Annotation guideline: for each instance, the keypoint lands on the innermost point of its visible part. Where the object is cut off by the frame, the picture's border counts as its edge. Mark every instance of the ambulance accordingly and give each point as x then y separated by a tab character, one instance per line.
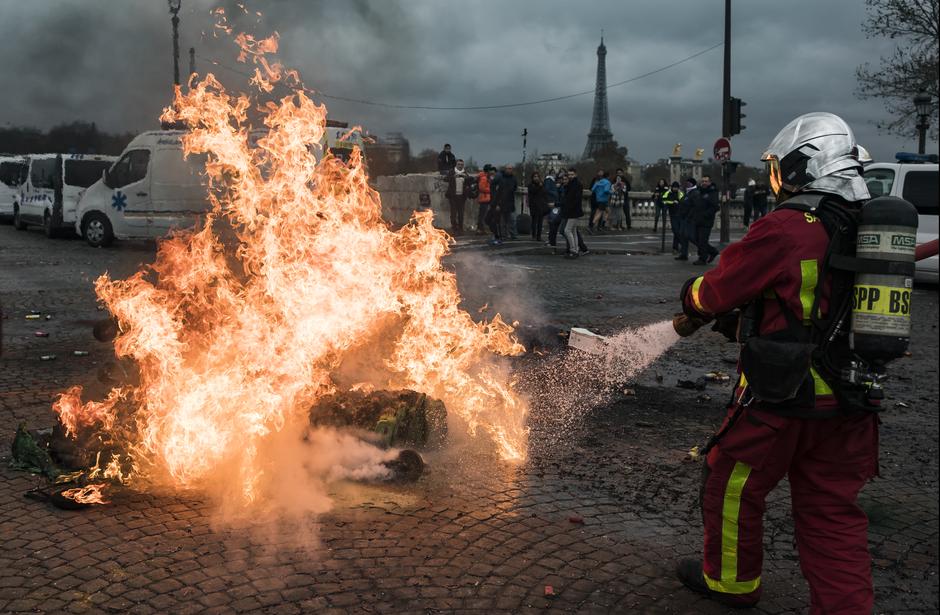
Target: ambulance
148	191
52	186
12	174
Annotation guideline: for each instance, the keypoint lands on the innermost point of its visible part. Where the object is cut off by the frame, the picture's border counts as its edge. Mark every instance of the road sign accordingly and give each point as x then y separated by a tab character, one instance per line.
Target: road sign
722	149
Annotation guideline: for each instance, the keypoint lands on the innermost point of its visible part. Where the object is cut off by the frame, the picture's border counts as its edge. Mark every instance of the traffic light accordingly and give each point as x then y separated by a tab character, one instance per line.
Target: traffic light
736	115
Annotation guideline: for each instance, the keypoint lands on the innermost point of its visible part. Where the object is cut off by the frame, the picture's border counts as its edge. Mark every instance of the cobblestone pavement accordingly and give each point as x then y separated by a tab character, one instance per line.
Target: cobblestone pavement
473	535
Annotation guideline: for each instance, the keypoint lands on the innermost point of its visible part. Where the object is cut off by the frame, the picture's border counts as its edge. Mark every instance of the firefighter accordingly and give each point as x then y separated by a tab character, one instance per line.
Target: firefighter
775	274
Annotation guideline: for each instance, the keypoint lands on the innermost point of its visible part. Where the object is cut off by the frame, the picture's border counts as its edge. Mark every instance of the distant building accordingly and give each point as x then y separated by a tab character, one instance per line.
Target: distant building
552	163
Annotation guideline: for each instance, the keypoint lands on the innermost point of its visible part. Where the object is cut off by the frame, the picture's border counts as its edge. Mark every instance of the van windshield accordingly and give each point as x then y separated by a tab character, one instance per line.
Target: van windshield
879	181
920	188
12	173
83	173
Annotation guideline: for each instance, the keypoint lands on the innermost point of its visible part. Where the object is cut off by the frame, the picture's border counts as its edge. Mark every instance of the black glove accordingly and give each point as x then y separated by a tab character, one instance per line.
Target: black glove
727	324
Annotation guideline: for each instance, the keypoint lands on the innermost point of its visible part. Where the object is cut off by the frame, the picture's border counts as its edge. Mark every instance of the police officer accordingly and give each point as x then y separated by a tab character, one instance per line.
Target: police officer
671	199
827	452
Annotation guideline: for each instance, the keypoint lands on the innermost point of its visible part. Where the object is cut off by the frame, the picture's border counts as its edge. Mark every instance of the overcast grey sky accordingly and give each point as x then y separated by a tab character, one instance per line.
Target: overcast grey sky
109	61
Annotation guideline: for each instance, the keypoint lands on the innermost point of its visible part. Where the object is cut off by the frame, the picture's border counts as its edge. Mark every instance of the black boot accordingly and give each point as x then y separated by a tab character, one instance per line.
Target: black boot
690	573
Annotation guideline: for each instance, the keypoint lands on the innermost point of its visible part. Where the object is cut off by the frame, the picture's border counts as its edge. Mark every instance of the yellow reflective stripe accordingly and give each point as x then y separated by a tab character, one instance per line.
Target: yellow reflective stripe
732	587
743	382
696	300
730	511
819	385
809	276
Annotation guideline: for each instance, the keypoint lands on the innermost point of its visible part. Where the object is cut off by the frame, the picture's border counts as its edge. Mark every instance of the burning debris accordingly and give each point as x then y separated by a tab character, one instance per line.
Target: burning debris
233	335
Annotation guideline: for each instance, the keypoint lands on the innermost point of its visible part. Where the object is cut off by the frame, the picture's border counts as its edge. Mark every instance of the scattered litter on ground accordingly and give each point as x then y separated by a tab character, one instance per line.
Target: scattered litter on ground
698	384
629	392
901	404
48	316
33	316
693	454
702	399
41	334
47	357
576	519
717	376
588	341
549	591
80	353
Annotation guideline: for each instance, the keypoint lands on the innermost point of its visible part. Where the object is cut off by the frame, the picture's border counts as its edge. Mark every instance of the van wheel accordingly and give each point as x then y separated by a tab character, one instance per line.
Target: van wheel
18	223
97	231
49	227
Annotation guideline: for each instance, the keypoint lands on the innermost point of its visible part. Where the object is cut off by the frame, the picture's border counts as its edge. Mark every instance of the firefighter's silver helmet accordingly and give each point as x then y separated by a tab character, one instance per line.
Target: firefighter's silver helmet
816	151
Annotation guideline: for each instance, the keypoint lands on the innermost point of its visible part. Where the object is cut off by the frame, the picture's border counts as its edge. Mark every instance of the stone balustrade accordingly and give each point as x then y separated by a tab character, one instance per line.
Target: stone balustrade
401	196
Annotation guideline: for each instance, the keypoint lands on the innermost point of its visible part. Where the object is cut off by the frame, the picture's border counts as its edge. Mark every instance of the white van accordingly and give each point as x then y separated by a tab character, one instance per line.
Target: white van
12	174
148	191
53	185
916	182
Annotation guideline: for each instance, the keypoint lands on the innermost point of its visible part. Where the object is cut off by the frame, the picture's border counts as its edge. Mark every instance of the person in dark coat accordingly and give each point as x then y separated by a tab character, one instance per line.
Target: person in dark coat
691	200
572	211
538	204
760	200
703	217
504	194
446	161
749	201
659	208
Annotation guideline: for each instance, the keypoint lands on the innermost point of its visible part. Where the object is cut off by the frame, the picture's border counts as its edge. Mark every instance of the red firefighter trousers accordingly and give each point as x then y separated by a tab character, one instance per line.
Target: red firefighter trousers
828	461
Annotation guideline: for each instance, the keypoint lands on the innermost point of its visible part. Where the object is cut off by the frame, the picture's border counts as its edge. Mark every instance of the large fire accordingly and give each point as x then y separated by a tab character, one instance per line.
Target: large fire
241	325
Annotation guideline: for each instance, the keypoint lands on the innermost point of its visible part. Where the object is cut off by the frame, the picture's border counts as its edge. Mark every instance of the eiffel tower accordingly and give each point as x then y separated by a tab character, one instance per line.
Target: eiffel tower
600	137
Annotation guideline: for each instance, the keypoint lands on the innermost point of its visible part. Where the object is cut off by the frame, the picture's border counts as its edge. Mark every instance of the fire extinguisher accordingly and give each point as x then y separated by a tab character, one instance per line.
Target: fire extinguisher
881	311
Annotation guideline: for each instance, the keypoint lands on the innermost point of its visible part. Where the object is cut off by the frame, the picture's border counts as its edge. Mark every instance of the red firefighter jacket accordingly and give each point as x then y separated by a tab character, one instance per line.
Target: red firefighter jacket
780	256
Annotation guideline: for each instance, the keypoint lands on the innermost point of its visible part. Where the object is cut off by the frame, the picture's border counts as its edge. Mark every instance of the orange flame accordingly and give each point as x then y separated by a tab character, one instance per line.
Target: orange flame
89	494
234	344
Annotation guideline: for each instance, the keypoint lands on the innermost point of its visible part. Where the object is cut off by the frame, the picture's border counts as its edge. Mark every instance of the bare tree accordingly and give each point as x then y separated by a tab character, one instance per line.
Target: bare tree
912	67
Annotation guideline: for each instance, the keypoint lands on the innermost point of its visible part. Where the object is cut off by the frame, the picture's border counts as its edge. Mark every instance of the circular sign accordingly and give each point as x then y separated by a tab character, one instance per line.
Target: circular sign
722	149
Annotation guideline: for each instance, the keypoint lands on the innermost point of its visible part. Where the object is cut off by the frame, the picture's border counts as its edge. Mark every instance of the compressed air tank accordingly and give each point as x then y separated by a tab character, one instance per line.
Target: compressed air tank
881	311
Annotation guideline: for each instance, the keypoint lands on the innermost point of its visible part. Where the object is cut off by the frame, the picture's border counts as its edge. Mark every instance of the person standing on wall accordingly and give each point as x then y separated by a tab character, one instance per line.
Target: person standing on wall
446	161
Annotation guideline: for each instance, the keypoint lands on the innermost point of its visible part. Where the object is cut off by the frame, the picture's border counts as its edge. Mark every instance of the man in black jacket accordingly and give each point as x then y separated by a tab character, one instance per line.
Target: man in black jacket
690	200
446	161
703	217
572	213
504	195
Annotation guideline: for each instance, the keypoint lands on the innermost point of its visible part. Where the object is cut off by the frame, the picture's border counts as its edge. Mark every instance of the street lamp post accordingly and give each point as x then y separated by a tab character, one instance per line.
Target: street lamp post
922	106
175	20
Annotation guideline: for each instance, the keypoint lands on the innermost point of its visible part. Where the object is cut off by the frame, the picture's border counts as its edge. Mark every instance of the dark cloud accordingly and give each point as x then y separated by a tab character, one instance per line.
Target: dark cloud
110	62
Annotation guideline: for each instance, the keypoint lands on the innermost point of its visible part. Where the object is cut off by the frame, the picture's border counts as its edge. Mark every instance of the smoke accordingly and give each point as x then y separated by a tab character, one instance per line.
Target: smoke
301	467
503	288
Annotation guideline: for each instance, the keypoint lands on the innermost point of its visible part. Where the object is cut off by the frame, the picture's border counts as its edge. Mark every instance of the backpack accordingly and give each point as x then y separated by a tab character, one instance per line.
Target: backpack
471	188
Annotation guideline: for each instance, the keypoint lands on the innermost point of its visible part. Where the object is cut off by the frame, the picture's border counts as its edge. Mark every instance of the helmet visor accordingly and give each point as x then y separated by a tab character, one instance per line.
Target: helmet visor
773	170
